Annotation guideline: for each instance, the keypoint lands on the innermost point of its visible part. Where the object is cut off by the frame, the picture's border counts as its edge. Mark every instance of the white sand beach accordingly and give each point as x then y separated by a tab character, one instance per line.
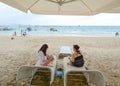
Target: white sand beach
100	53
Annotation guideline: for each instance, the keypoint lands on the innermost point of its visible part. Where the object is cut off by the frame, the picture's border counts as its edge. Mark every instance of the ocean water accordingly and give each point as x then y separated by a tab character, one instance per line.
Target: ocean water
84	31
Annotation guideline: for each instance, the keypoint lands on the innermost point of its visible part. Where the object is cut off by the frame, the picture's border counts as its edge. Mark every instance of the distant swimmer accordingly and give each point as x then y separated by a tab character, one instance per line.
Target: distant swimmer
116	34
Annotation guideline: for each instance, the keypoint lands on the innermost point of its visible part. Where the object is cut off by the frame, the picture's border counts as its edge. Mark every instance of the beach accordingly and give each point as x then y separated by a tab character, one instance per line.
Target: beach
100	53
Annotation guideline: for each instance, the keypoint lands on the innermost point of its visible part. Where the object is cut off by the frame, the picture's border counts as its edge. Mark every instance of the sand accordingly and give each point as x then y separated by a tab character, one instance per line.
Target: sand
100	53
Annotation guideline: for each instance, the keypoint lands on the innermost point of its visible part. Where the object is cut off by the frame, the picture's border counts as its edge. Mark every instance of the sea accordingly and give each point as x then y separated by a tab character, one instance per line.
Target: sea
82	31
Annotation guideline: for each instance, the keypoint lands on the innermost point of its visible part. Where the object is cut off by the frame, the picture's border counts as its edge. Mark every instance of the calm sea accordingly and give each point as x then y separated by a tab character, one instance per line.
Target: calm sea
85	31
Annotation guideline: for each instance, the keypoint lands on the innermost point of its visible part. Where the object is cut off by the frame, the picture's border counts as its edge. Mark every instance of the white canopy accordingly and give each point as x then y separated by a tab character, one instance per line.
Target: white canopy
114	10
65	7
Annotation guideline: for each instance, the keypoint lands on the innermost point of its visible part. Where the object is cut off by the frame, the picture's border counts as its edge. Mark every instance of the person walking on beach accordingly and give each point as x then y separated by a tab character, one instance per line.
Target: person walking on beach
76	59
15	34
116	34
21	33
43	58
24	33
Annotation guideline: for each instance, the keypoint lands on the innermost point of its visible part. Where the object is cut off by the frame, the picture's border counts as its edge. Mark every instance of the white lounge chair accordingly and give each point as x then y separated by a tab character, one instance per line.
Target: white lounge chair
64	51
29	71
93	76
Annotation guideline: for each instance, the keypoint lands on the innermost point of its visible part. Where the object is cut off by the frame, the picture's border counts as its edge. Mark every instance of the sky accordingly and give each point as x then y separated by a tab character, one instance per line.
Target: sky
12	16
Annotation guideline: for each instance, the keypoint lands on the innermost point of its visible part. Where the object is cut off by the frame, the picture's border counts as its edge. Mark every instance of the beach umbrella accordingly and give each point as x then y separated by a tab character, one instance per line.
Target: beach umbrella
114	10
64	7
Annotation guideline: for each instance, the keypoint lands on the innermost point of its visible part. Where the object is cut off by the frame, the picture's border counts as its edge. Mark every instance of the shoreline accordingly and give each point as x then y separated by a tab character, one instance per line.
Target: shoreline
61	36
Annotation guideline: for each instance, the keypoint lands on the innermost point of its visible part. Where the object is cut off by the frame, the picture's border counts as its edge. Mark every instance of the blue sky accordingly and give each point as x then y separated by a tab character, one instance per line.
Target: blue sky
11	16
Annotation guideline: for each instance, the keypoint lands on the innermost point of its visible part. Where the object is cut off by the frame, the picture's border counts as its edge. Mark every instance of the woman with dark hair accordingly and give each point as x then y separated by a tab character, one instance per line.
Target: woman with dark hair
44	59
77	57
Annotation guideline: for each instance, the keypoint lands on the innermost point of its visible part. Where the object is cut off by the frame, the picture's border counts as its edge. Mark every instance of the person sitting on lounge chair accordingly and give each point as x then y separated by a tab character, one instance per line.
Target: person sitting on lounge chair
44	59
76	58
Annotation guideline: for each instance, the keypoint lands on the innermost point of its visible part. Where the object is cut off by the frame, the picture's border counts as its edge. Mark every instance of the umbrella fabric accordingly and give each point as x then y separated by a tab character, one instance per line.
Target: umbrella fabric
114	10
64	7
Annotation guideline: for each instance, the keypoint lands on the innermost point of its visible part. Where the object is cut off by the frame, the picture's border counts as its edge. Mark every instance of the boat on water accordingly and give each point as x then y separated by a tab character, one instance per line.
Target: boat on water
52	29
29	29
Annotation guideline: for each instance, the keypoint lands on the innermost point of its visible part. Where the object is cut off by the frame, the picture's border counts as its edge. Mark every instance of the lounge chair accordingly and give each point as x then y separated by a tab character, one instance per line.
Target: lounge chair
92	76
64	51
26	72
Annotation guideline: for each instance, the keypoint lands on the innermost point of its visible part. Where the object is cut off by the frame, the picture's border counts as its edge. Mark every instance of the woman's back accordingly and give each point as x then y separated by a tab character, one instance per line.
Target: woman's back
78	61
41	58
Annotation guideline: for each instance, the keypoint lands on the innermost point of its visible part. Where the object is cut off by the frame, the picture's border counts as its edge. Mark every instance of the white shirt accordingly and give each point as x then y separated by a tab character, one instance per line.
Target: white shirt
41	59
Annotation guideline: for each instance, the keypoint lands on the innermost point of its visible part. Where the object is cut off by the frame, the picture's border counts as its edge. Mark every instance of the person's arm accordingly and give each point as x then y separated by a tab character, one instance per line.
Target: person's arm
49	60
73	57
49	56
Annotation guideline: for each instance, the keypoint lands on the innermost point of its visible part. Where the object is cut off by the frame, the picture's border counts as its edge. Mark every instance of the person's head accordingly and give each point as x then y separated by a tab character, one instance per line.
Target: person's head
76	48
44	48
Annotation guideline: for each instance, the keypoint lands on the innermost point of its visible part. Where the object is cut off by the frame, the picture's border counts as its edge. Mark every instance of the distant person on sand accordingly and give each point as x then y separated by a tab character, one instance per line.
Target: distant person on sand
76	59
14	34
24	33
21	33
116	34
43	58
